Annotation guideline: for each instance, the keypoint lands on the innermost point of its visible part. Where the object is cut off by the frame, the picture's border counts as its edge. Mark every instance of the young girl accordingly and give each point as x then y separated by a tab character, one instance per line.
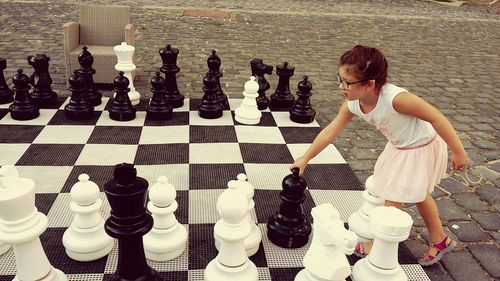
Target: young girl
415	157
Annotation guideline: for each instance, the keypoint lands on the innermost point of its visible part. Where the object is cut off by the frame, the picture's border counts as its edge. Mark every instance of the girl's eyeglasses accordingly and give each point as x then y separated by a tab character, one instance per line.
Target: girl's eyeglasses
347	85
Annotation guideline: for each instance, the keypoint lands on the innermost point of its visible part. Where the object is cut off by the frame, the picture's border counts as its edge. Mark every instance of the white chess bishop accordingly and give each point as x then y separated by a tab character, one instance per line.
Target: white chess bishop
232	262
248	113
167	239
390	226
326	260
124	55
85	239
21	225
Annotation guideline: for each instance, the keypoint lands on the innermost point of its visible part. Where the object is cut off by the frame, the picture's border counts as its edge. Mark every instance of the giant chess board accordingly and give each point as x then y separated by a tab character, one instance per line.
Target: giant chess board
199	156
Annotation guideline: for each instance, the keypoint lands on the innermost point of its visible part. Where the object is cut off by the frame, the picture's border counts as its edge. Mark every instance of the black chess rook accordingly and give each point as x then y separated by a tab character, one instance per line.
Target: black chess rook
42	94
158	108
282	99
78	108
259	68
170	69
214	63
6	94
86	60
121	109
302	111
22	108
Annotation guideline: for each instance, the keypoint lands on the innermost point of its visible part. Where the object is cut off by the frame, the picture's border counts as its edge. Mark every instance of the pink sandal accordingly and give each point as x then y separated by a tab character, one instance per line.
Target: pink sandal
359	250
444	246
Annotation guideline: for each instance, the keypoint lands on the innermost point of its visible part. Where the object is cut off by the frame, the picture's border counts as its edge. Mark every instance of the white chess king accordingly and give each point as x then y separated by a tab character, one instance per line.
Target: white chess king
248	113
124	55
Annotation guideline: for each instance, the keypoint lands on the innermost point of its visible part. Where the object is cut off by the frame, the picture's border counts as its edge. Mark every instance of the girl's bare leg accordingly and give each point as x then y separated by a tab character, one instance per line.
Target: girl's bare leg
430	214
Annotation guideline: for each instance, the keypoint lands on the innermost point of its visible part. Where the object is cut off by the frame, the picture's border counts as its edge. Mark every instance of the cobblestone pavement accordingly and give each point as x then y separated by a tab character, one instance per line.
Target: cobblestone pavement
448	55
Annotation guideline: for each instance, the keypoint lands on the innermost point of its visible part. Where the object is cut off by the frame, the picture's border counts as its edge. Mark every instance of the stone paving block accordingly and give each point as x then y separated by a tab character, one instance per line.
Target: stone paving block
463	267
436	272
448	210
452	185
469	232
488	221
488	256
489	193
470	201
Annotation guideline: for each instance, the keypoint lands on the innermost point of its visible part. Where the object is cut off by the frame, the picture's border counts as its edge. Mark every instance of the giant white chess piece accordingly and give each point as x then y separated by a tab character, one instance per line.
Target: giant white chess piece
167	239
359	221
21	225
248	113
390	226
85	239
325	259
232	262
124	54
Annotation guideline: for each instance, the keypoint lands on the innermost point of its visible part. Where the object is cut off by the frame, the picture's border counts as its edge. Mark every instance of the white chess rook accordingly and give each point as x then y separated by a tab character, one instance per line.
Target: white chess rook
21	225
125	54
359	221
390	226
248	113
232	262
325	259
85	239
167	239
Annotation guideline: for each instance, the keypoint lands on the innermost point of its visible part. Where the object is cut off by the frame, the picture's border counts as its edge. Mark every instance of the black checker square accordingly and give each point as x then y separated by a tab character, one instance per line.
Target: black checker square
115	135
157	154
213	176
143	103
19	133
299	134
3	112
182	212
265	153
59	102
212	134
259	258
97	174
331	177
201	245
193	104
266	120
44	201
178	119
268	202
169	275
7	277
51	155
284	274
60	118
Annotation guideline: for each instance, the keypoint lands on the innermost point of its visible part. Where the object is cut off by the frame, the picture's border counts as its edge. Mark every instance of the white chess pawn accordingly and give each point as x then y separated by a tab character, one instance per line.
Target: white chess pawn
21	225
248	113
390	226
167	239
326	260
85	239
359	221
125	54
231	263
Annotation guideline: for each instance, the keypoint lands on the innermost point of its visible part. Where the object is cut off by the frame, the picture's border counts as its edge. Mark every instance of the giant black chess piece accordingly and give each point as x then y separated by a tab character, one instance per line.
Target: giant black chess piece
6	95
214	63
302	111
282	99
290	228
42	94
22	108
79	107
259	68
210	108
158	108
169	68
128	223
121	109
86	60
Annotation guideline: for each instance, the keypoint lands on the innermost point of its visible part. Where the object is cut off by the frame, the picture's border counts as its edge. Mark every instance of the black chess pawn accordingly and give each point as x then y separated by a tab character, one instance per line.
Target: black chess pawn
22	108
121	109
282	99
210	108
290	228
42	94
169	68
79	107
158	107
129	222
259	68
302	111
86	60
214	63
6	95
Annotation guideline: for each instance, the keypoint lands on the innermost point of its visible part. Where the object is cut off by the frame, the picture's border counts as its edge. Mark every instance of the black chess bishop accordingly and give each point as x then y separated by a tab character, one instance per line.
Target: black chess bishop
170	69
6	94
86	60
214	63
302	111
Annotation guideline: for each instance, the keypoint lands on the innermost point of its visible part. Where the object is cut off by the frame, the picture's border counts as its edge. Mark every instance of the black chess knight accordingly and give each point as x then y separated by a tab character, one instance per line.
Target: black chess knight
210	108
42	94
169	68
79	107
214	63
22	108
259	69
6	95
282	99
158	108
121	109
302	111
86	60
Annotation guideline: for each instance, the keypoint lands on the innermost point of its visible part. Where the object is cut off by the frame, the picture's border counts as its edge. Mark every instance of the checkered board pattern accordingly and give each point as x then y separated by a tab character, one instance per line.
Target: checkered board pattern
199	156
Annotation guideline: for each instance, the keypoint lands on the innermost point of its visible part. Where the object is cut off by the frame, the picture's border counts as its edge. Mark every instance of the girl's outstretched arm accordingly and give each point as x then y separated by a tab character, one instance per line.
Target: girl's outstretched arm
410	104
325	137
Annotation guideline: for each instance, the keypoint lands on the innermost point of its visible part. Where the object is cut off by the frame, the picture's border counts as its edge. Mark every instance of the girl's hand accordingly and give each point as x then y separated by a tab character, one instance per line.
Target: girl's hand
300	163
458	161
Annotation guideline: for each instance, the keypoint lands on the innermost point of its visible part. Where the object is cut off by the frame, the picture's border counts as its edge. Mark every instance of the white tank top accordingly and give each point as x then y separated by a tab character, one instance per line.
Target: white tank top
403	131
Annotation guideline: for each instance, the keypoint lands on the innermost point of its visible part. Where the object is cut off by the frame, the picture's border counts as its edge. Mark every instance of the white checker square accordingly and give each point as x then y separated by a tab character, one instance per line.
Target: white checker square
64	134
48	179
202	205
212	153
44	118
164	134
8	263
104	120
225	120
198	274
266	176
184	107
415	272
279	257
282	119
258	134
63	105
60	214
329	155
86	277
346	202
5	105
107	154
235	103
177	174
12	152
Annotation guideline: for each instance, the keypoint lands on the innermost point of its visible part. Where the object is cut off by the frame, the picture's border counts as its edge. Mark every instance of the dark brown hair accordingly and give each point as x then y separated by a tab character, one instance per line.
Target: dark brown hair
368	63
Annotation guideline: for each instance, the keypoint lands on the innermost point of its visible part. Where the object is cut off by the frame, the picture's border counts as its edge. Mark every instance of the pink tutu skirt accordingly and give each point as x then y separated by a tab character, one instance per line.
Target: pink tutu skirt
408	175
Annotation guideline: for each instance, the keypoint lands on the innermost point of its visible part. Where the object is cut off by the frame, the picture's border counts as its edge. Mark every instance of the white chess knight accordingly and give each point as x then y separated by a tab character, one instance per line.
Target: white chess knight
253	240
248	113
390	226
326	260
124	54
21	225
232	262
359	221
85	239
167	239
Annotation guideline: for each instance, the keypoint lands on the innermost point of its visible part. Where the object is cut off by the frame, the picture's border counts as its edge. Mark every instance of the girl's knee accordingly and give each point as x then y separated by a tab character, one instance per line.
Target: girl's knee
389	203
